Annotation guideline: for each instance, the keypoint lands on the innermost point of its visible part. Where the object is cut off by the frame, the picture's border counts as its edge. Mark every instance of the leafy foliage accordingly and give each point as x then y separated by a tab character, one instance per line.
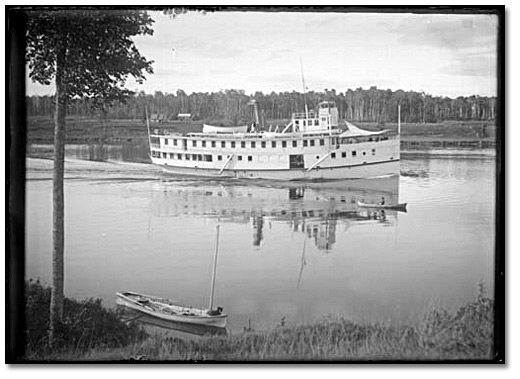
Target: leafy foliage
99	54
230	106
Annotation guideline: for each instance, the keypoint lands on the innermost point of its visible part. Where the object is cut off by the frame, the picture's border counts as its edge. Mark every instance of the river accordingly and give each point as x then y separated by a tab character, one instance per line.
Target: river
288	253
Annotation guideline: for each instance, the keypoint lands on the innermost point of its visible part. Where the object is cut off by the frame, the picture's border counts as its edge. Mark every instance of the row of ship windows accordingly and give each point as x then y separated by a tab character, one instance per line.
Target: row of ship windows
209	157
263	144
316	122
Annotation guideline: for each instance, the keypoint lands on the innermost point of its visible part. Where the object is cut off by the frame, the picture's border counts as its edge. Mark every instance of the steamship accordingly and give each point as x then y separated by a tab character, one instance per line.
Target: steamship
314	145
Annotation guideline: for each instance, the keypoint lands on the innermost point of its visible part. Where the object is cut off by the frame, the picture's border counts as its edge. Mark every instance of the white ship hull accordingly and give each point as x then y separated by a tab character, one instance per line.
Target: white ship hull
368	170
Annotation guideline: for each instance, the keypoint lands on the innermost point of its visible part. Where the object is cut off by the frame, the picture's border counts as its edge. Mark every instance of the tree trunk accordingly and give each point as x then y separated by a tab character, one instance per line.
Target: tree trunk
58	230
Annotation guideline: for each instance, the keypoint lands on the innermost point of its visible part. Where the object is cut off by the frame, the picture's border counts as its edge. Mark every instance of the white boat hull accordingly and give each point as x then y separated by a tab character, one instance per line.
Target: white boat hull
369	170
216	321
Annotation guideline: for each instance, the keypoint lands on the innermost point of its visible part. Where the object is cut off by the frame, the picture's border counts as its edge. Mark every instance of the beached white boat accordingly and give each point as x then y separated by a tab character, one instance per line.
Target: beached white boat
313	146
169	310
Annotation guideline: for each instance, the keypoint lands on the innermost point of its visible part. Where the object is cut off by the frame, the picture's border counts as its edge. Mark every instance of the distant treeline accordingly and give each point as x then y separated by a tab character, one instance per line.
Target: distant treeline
361	105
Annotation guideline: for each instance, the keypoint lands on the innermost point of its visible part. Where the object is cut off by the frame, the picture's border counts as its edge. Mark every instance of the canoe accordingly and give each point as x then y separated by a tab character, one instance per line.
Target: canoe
169	310
399	206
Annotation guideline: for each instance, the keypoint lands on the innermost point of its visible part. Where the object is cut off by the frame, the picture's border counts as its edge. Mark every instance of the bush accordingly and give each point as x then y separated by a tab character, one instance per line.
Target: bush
86	324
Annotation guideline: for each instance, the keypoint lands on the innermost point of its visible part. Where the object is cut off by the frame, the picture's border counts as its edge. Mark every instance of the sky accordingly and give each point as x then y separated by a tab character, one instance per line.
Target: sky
442	55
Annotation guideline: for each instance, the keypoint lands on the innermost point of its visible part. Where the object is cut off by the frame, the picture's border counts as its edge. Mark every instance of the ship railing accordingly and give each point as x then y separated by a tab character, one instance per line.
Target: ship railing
309	115
160	133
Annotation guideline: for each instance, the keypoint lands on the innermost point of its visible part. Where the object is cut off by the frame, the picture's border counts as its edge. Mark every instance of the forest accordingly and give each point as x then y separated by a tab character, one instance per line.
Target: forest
233	107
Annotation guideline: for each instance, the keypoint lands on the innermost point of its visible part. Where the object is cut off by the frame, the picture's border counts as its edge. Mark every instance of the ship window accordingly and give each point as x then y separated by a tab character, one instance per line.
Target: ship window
317	157
194	143
213	144
166	141
343	154
174	142
263	143
223	144
194	157
208	158
333	155
243	144
296	122
364	153
253	144
294	143
322	142
273	144
249	158
164	155
304	122
233	144
304	143
219	157
200	157
312	142
324	119
373	151
296	161
354	153
316	122
239	157
284	143
187	157
179	156
203	143
171	155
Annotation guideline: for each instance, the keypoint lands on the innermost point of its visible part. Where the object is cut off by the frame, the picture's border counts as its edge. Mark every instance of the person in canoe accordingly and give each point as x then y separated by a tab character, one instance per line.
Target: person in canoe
382	202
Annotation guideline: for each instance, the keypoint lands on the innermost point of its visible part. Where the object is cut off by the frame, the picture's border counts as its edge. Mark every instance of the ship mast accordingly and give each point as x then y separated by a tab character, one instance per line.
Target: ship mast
304	89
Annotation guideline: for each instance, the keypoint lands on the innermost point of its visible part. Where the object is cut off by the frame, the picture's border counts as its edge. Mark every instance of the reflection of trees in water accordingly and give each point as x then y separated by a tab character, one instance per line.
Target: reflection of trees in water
315	212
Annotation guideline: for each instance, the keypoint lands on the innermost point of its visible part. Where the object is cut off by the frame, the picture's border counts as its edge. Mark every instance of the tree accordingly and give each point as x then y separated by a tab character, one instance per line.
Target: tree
87	53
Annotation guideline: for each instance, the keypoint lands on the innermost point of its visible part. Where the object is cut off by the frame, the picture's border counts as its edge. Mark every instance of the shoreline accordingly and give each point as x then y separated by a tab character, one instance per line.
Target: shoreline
464	333
139	152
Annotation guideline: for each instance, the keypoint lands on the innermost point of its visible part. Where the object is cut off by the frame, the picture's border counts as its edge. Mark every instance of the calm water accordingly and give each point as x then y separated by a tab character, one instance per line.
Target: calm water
298	252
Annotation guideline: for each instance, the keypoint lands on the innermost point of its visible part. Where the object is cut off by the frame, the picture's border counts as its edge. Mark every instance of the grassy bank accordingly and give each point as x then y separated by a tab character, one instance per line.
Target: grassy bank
40	130
86	325
98	335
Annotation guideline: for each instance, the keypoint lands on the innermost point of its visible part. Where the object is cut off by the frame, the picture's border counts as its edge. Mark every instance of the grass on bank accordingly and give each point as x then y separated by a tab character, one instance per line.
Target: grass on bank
86	325
91	332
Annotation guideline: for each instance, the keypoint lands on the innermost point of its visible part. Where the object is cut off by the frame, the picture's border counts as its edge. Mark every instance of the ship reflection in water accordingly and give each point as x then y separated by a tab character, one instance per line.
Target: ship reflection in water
315	209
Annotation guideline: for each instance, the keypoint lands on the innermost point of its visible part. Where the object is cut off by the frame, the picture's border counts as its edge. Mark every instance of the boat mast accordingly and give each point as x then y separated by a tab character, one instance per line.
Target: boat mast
304	93
214	276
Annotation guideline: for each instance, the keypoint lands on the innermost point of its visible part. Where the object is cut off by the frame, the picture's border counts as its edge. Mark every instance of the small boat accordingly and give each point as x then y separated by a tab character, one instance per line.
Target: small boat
131	315
398	207
168	310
